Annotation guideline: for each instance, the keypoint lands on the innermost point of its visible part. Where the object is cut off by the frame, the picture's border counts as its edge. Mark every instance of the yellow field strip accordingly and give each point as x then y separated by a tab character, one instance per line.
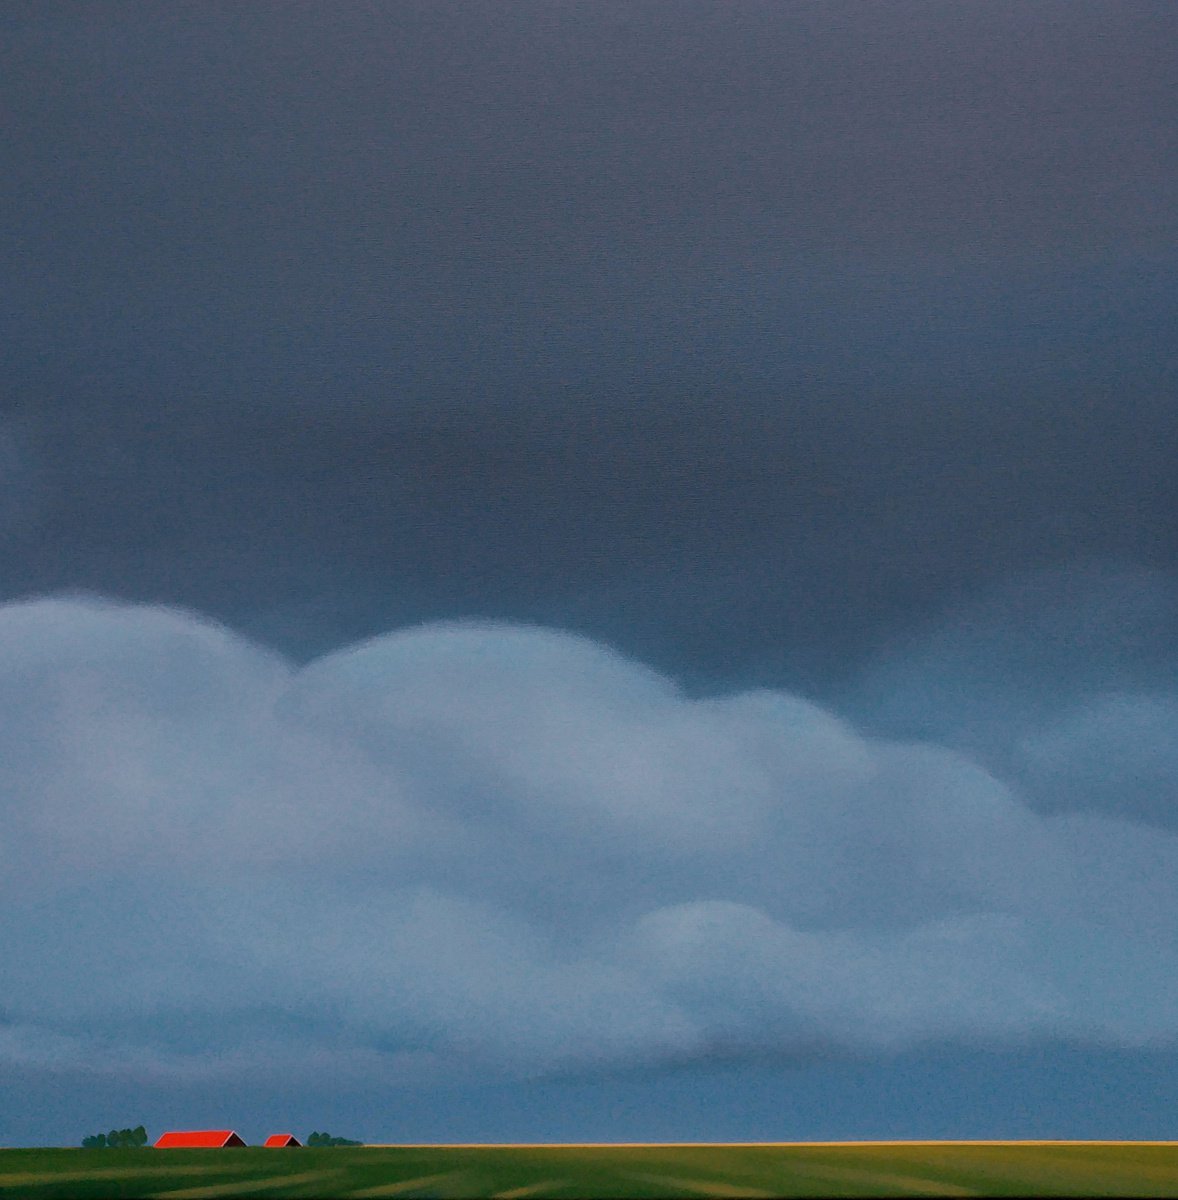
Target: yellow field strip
245	1186
14	1178
920	1185
742	1145
705	1187
530	1190
405	1185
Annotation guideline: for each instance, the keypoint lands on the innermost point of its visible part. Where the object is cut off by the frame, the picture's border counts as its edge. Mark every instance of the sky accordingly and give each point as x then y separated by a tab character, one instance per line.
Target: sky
589	571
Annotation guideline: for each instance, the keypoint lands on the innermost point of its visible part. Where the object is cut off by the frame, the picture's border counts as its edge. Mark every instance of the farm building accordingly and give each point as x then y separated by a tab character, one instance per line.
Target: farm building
282	1139
209	1139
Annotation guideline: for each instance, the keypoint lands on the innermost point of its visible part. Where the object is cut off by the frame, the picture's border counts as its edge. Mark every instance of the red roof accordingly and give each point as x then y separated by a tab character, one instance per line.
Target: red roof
206	1138
282	1139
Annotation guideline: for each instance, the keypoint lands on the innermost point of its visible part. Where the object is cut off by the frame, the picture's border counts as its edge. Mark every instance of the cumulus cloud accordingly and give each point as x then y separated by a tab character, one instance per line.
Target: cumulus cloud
1116	752
1061	680
486	846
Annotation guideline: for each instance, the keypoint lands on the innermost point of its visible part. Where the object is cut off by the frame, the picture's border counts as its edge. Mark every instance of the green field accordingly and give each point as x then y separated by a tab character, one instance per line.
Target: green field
812	1169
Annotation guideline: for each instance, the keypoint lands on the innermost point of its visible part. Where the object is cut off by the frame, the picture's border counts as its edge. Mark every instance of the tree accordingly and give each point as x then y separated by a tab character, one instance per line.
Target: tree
117	1138
325	1139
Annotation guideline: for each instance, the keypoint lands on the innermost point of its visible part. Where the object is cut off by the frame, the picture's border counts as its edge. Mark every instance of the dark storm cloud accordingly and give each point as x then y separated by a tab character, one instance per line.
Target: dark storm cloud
727	539
332	319
329	319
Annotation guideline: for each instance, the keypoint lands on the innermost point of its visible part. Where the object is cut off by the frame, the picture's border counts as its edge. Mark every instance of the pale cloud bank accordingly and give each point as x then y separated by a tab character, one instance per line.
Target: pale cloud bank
478	846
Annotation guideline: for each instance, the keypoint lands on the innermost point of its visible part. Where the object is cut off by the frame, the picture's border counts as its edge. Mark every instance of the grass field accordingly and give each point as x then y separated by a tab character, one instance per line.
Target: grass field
607	1171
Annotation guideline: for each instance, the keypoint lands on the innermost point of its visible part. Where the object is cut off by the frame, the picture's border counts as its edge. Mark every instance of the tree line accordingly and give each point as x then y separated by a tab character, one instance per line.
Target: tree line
117	1138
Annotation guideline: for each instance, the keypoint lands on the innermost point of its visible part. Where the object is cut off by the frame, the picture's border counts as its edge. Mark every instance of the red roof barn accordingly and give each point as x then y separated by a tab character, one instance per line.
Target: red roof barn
210	1139
282	1139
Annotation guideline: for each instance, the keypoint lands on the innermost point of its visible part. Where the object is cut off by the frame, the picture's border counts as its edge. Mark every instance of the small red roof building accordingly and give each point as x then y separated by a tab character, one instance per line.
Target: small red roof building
209	1139
282	1139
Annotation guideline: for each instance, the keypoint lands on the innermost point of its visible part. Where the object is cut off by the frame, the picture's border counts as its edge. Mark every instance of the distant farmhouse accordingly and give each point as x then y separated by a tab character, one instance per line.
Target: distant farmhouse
208	1139
282	1139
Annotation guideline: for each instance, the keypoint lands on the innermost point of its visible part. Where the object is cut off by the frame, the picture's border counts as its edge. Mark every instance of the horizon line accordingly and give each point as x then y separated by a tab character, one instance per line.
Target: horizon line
816	1145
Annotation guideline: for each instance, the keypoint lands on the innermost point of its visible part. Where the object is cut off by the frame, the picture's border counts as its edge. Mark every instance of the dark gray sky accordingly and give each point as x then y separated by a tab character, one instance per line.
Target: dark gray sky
819	348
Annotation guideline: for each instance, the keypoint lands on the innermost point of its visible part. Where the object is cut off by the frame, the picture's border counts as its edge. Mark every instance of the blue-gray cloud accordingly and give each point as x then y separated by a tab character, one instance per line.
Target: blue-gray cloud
482	846
1061	679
